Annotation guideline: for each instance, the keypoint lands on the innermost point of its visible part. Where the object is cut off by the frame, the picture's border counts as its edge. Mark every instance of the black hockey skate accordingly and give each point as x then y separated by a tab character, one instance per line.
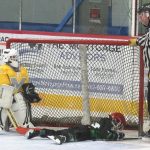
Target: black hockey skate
59	139
32	133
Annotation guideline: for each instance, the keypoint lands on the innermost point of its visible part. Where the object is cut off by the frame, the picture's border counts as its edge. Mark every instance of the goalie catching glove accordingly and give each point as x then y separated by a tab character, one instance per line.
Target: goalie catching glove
29	93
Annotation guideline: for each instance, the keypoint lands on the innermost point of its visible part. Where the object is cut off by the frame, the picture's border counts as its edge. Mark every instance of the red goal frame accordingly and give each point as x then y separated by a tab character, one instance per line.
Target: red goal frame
102	40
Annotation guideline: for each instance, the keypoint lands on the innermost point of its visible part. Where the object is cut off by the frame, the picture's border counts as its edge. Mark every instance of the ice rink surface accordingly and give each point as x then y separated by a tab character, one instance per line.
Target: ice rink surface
14	141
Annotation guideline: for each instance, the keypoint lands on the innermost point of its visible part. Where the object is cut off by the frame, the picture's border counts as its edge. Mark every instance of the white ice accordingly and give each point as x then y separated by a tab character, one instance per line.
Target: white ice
14	141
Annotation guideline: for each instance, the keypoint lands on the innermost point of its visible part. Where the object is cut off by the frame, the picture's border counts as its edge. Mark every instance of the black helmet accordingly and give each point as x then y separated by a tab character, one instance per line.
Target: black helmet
144	8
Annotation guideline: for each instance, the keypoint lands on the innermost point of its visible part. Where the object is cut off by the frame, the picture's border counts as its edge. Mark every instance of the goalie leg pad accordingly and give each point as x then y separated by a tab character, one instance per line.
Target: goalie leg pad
3	117
6	96
21	111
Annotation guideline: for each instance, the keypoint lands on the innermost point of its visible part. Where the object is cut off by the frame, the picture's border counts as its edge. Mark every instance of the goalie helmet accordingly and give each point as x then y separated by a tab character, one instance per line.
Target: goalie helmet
119	121
10	56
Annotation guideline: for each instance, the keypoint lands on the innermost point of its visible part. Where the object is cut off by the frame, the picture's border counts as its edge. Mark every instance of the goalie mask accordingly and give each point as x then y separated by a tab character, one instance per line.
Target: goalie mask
10	56
118	121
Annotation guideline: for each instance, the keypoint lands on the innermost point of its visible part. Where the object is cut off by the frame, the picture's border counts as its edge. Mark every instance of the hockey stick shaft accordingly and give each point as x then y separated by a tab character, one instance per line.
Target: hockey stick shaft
19	129
132	138
12	118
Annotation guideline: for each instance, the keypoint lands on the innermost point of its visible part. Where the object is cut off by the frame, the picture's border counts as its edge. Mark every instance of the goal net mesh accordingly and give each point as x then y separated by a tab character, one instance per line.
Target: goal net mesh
54	68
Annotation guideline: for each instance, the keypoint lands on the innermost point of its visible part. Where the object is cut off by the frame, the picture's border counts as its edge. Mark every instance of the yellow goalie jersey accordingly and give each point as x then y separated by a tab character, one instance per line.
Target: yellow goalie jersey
10	77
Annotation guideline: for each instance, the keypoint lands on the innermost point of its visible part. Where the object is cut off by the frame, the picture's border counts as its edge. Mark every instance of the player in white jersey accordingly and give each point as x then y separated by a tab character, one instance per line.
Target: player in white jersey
16	93
144	19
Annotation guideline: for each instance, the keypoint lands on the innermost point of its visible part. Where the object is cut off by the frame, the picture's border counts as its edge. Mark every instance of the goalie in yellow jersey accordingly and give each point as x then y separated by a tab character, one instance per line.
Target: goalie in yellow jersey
16	93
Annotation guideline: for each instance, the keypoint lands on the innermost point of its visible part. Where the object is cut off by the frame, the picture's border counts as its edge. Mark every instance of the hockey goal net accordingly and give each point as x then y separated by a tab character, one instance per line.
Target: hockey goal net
81	77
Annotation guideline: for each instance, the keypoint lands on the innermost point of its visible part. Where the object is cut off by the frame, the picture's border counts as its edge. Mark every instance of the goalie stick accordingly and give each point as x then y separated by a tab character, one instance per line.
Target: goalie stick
18	128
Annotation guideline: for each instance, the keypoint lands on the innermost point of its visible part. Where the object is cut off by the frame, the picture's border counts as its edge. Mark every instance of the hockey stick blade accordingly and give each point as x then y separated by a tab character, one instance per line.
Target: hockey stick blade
18	128
23	130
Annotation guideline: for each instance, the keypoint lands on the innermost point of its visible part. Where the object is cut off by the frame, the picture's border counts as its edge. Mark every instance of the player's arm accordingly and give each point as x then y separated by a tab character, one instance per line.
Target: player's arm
140	41
3	75
25	73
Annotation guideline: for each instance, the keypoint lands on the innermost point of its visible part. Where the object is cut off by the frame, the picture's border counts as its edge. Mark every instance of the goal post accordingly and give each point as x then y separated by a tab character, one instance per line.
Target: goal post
84	78
84	84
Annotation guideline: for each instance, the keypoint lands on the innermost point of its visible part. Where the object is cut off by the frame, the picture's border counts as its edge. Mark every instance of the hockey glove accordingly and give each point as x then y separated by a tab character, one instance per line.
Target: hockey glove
29	93
114	135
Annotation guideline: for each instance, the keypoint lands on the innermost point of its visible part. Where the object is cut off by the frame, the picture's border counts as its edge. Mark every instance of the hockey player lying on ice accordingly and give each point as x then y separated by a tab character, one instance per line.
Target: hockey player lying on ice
16	93
107	129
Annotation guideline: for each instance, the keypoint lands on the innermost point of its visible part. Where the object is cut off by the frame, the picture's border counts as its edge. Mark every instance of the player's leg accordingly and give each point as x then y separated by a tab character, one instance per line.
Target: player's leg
1	129
148	98
73	134
6	98
3	118
146	125
44	133
32	133
81	133
113	135
59	136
